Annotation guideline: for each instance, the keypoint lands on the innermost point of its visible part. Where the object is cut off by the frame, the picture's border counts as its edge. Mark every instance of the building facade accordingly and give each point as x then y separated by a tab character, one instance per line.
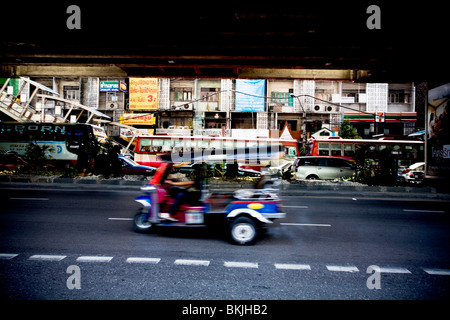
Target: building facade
241	107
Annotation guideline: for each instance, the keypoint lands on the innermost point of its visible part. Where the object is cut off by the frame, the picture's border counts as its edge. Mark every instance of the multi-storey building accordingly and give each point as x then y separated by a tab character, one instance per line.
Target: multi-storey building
214	106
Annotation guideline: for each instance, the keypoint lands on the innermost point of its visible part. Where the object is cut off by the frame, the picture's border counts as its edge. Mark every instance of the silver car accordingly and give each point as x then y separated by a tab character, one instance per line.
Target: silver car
324	168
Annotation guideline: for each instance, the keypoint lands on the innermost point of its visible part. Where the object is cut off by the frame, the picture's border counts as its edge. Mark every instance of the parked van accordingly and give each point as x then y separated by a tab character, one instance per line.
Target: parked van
323	168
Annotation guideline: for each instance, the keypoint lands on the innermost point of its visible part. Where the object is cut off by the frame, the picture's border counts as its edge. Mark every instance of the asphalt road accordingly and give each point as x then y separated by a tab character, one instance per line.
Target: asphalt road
79	244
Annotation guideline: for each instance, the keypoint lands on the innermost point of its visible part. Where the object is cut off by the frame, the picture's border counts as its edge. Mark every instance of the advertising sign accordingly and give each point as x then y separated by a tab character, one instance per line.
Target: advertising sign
133	119
144	94
109	86
123	86
438	135
250	95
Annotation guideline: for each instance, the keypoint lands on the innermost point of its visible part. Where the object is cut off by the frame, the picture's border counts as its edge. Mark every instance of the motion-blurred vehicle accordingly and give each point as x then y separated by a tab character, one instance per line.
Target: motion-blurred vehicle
285	171
189	169
131	167
243	212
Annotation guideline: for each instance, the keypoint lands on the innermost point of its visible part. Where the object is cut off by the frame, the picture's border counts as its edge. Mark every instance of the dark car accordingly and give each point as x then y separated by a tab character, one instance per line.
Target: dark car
11	161
131	167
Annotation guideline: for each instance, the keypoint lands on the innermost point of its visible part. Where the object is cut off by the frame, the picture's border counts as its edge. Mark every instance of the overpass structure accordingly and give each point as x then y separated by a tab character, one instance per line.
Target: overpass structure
400	42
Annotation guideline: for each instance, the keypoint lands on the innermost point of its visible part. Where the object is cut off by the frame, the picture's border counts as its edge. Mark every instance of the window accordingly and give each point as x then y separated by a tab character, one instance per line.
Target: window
399	96
324	149
348	150
71	92
323	162
209	94
336	149
291	151
308	162
283	97
243	120
182	94
340	163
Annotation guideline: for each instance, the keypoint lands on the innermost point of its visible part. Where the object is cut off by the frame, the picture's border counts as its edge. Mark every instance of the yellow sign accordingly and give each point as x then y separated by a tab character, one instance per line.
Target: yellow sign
255	205
143	94
133	118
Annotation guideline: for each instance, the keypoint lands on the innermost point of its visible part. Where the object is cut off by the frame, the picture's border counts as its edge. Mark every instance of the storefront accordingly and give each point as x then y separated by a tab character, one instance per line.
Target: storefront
388	123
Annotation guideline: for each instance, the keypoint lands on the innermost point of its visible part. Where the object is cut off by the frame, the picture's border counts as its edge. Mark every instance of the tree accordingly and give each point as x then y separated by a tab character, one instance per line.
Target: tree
346	131
36	156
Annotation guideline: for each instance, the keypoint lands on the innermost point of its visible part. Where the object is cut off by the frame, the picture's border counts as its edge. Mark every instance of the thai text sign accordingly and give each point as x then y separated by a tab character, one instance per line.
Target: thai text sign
250	95
109	86
132	119
143	93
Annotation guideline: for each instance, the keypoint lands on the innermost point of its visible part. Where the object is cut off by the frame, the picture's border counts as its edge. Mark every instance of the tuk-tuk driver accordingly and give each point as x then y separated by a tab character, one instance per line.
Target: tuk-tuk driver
190	191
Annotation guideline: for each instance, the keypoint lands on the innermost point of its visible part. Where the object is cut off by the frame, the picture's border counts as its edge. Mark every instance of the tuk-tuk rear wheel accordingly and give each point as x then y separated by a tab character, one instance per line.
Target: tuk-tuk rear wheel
243	230
140	222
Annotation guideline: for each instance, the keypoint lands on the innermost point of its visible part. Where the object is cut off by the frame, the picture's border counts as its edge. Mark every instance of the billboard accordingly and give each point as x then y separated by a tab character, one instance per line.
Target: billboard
438	135
250	95
144	93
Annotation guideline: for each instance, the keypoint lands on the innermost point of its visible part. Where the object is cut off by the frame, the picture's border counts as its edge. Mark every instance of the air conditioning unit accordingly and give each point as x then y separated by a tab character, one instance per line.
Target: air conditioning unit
112	106
324	108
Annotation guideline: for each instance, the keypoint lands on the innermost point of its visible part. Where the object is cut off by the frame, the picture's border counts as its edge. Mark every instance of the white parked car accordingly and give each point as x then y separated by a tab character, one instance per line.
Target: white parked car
324	168
414	173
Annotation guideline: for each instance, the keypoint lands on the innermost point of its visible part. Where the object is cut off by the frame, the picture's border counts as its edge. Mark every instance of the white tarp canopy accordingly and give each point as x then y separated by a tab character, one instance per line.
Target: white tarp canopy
40	86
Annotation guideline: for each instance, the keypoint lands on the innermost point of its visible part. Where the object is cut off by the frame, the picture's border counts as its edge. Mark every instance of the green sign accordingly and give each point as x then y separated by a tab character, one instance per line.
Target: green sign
109	86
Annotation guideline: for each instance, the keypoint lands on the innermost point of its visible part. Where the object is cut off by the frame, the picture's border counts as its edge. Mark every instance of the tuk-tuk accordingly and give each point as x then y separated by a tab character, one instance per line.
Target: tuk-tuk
243	211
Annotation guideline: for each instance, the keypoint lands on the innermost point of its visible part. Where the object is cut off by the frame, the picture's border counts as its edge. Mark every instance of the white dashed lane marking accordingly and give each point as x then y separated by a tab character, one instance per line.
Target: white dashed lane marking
143	260
186	262
343	268
234	264
94	259
229	264
44	257
290	266
394	270
7	256
437	272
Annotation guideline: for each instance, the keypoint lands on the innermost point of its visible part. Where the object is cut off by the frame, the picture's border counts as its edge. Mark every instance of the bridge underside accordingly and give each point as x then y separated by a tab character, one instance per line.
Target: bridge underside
314	41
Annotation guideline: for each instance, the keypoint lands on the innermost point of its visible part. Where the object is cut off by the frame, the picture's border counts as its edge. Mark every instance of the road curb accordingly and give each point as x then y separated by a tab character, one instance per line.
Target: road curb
321	188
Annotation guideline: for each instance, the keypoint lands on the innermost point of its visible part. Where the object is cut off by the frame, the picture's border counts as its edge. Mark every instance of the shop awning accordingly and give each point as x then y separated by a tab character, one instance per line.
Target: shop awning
388	116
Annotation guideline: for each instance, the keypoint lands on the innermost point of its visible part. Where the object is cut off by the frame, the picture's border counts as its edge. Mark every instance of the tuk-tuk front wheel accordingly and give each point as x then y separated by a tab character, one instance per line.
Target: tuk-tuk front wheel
243	230
140	222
